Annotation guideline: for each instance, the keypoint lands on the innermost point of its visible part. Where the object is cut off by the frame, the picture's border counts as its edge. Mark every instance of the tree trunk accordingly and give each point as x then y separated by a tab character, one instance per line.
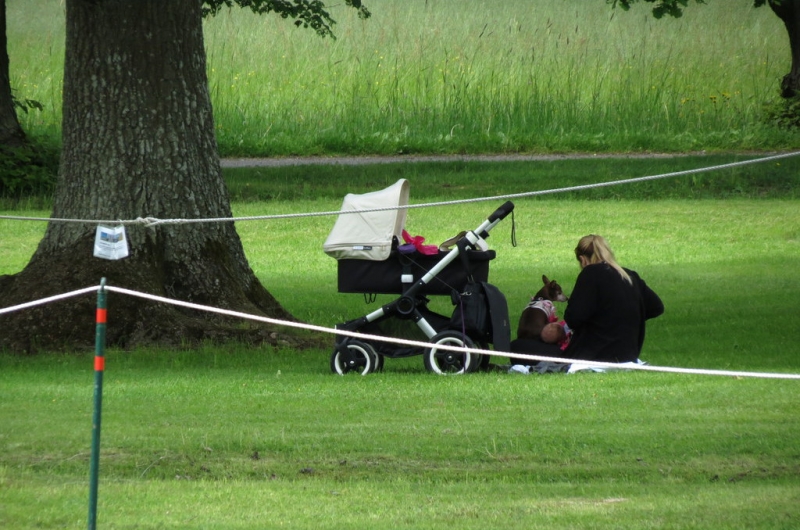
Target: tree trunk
789	12
138	141
11	134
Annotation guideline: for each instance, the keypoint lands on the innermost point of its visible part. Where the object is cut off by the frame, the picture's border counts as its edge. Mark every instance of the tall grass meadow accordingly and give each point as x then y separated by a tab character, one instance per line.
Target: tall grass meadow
436	76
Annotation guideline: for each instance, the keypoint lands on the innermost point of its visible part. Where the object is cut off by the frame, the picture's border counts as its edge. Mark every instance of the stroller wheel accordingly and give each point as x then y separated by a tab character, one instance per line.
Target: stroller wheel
377	363
353	356
485	360
442	362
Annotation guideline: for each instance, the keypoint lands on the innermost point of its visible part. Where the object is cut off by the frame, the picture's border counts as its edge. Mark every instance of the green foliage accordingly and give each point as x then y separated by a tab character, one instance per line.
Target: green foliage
306	13
26	104
27	171
672	8
784	113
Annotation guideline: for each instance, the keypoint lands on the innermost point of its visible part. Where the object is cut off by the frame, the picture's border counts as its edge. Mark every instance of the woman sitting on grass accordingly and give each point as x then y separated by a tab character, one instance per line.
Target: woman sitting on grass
608	307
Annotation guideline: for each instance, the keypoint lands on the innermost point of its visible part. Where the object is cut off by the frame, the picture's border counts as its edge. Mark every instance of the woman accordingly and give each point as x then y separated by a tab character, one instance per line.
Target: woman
608	307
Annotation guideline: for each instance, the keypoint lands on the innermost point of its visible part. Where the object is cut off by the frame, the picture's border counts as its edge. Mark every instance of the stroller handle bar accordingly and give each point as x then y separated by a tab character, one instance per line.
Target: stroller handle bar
470	241
502	212
498	215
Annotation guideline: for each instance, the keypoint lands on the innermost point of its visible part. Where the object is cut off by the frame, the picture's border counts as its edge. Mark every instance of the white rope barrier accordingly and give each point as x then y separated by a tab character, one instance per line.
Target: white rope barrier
146	221
404	342
153	221
48	300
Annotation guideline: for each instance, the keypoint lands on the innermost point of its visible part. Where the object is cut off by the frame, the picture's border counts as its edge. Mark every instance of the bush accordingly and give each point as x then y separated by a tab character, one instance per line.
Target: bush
27	170
784	113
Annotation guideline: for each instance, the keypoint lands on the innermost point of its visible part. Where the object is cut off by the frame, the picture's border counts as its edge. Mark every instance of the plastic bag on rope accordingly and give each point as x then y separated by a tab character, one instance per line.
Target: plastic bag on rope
110	242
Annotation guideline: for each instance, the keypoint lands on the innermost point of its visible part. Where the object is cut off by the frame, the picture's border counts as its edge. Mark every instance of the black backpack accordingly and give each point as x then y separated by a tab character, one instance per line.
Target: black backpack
481	313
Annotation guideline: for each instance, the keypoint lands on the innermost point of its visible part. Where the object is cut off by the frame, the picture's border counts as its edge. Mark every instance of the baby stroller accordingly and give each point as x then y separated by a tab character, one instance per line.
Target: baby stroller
372	261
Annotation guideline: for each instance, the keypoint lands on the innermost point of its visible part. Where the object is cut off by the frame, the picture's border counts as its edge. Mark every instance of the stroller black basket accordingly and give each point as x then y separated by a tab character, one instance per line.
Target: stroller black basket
386	277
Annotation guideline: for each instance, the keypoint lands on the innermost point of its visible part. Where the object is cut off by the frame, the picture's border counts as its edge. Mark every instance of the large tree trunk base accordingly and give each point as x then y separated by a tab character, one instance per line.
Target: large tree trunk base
138	139
790	86
69	324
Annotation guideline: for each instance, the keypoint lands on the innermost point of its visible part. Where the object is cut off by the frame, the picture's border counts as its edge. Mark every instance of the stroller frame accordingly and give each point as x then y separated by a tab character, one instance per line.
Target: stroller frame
352	355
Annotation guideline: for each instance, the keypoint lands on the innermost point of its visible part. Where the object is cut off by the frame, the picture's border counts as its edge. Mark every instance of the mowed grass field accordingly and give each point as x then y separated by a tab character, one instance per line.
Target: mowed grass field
241	437
231	436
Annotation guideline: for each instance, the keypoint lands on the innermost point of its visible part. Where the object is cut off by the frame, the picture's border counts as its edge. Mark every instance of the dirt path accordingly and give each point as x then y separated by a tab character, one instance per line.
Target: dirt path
365	160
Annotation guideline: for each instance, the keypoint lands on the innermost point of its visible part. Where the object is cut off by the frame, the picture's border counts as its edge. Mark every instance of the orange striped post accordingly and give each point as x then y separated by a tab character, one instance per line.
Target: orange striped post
99	367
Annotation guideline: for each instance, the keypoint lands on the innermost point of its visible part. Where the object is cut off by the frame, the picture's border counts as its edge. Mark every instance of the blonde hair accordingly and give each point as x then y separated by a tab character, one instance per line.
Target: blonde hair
595	249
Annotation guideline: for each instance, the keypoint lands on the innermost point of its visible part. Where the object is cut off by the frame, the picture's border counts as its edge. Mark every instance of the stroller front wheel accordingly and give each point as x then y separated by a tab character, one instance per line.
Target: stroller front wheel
441	361
353	356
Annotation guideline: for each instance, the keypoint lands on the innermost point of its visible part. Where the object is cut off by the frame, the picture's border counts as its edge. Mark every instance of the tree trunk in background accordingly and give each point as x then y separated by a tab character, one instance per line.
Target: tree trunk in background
138	141
789	12
11	134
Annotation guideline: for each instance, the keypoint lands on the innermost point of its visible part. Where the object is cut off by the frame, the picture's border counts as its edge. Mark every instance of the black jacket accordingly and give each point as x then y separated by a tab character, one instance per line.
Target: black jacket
607	315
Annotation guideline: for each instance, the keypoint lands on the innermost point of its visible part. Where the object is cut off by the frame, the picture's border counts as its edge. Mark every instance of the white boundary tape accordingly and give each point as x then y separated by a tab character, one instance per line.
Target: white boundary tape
405	342
49	299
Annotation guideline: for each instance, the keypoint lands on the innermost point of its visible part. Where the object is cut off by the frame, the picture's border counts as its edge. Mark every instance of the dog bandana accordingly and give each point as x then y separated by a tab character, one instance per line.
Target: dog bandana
546	306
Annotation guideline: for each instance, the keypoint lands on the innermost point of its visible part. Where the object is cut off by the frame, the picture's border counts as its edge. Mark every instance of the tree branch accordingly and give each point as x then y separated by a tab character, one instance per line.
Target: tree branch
306	13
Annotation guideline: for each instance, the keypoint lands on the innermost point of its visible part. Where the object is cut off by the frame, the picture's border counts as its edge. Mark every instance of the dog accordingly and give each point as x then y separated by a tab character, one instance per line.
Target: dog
540	311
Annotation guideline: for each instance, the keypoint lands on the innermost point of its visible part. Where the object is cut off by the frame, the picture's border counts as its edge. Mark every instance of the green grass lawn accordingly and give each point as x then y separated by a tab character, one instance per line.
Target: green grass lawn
235	437
240	439
231	436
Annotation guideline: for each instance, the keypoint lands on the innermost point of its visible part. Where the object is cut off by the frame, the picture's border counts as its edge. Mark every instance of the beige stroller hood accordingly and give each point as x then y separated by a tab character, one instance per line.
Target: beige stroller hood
369	235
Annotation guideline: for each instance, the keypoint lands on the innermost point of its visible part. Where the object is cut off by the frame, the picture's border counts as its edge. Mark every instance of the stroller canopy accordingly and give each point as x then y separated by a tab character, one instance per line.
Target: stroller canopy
369	235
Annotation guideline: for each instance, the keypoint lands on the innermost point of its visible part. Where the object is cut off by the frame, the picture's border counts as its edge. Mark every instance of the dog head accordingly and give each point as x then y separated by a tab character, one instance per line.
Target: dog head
551	291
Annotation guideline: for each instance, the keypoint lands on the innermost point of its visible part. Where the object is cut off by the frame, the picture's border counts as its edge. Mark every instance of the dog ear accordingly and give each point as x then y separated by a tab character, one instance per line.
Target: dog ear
545	280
